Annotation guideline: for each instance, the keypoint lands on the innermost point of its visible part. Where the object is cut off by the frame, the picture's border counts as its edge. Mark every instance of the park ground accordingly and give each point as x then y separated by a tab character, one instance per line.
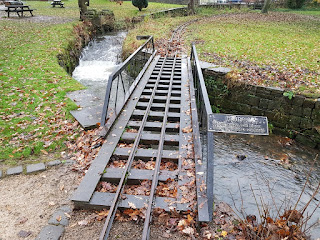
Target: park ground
278	49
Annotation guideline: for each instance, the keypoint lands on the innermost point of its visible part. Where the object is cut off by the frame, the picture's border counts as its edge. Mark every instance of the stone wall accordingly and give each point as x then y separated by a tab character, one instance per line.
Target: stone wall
297	118
182	2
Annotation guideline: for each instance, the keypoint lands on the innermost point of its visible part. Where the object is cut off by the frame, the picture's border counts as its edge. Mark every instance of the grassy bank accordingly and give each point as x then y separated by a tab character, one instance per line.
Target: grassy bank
33	107
276	49
123	11
282	46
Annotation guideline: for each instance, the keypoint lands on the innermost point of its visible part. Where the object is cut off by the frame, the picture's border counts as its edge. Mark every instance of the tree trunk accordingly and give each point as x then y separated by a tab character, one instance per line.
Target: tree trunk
83	7
266	6
191	7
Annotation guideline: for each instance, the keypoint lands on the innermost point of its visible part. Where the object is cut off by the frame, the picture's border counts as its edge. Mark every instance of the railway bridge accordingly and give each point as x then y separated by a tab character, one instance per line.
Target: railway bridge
157	151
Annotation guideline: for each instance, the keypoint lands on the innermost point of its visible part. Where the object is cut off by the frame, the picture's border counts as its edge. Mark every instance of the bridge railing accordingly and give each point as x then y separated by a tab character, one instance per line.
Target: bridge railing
124	79
206	144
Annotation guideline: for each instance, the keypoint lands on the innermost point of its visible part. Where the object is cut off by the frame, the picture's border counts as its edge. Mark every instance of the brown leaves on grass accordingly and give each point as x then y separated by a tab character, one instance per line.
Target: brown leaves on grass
85	148
251	73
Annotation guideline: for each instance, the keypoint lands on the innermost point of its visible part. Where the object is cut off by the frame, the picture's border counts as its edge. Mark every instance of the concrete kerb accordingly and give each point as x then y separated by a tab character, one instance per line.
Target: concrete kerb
32	168
56	224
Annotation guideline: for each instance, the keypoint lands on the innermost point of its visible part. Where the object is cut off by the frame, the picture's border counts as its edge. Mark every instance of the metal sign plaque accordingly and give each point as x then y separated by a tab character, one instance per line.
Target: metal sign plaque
243	124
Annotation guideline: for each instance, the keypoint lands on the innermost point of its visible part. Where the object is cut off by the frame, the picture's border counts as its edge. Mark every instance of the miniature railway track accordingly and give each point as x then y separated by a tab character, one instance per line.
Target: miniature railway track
155	128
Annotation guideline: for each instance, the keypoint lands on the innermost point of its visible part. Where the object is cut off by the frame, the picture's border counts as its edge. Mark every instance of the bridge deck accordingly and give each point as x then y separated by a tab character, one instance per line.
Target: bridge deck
164	76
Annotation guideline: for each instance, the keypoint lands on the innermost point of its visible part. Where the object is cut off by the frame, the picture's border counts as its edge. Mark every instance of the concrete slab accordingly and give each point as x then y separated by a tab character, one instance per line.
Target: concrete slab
59	218
207	65
50	232
53	163
33	168
88	117
15	170
85	98
90	108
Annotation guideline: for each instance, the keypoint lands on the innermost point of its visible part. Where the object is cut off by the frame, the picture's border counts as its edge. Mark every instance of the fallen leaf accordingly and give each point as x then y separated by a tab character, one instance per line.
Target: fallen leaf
188	230
224	233
83	222
58	218
132	205
44	152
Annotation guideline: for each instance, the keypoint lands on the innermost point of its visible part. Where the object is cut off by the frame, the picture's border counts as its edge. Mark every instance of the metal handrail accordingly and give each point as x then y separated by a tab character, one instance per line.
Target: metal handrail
124	80
204	110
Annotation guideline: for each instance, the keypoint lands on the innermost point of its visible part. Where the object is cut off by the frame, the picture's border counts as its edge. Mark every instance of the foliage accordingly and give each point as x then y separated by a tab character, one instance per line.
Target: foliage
140	4
289	94
270	127
295	4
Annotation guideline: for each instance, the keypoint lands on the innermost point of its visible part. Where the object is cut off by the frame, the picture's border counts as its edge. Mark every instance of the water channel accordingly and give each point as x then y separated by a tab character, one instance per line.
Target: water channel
98	60
271	167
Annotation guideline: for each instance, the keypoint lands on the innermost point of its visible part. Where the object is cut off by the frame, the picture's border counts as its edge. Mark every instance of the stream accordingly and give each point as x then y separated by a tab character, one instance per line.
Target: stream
98	60
274	168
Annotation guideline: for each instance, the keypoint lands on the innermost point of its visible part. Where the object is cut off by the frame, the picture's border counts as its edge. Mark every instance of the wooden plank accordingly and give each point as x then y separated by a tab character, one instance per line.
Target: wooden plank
172	126
158	105
152	137
114	174
185	144
161	99
156	114
202	200
101	199
146	153
175	82
160	92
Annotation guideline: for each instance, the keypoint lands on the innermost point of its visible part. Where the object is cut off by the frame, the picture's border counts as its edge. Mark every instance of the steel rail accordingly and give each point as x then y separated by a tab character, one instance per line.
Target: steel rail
146	227
203	113
113	208
118	71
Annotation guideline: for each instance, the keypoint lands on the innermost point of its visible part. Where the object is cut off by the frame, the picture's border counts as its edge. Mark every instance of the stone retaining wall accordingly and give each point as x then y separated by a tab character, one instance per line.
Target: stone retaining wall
182	2
297	118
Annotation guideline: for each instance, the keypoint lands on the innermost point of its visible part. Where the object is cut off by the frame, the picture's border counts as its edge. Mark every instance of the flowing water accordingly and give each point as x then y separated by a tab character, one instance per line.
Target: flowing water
273	168
98	60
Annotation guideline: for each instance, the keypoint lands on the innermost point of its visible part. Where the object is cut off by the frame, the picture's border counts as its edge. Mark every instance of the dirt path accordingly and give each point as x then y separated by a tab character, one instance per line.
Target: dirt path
28	201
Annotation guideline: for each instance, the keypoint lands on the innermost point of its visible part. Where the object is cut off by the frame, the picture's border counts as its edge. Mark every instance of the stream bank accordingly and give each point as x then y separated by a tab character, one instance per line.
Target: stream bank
294	116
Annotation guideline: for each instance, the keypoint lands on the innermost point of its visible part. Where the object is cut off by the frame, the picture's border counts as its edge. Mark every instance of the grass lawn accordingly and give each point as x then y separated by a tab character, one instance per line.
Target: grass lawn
125	10
284	46
311	11
34	111
287	43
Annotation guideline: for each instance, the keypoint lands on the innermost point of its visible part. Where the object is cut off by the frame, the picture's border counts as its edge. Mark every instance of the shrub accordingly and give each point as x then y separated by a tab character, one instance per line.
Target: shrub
140	4
295	3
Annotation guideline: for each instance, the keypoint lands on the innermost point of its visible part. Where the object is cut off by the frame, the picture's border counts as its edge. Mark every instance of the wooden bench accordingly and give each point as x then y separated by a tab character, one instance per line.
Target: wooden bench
19	9
57	2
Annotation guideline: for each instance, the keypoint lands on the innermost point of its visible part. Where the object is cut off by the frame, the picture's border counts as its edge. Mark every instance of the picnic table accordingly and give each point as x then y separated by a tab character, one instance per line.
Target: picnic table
17	7
57	2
